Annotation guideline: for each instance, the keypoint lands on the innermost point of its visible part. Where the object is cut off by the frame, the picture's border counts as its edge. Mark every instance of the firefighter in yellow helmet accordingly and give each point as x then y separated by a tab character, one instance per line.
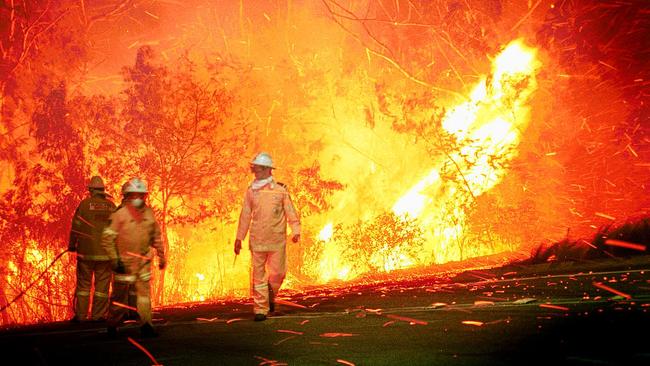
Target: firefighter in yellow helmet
266	210
128	240
88	223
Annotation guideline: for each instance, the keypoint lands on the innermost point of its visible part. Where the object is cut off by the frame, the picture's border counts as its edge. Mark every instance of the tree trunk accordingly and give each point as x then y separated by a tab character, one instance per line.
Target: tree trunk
3	302
160	287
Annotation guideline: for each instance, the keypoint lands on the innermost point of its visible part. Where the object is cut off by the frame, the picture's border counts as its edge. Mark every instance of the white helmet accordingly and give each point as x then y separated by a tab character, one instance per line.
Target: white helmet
263	159
135	185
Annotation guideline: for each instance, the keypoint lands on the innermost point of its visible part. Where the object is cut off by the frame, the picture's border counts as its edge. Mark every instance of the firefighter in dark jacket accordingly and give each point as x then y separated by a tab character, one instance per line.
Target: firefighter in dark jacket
88	223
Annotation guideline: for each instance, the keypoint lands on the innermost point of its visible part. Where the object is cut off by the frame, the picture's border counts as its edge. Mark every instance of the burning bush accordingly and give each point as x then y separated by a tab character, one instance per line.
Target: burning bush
381	244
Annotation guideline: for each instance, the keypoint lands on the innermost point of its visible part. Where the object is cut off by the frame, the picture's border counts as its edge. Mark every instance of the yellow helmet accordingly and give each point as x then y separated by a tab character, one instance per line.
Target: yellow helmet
96	182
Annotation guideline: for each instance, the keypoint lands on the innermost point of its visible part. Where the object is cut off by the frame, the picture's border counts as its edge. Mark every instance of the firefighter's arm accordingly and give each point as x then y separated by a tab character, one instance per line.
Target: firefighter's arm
108	238
292	217
157	243
245	216
244	220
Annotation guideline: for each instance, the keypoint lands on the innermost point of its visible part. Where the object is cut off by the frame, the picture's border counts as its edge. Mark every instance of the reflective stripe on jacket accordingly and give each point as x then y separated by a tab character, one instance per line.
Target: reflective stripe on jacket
266	212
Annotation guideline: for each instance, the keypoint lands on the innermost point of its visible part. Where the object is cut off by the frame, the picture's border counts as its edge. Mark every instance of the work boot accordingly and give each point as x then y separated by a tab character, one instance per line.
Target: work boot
147	331
271	299
111	332
260	317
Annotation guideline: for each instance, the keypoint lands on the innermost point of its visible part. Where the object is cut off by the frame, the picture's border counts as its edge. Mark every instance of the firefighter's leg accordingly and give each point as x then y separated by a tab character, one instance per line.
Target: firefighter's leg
102	283
277	269
260	287
143	291
119	298
133	302
82	293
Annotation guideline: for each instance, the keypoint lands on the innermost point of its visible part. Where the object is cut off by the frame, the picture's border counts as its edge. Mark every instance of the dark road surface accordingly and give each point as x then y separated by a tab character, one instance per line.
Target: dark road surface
596	318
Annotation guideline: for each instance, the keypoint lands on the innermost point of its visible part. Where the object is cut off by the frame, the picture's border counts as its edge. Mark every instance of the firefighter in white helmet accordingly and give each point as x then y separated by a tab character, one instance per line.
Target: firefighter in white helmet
133	297
88	223
128	240
266	210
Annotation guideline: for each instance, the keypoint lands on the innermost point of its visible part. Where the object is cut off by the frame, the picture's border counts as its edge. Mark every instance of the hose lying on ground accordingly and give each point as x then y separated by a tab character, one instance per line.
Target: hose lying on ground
33	282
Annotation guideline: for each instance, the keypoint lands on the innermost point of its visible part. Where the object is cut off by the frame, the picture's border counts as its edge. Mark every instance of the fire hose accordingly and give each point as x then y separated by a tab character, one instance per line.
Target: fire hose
40	276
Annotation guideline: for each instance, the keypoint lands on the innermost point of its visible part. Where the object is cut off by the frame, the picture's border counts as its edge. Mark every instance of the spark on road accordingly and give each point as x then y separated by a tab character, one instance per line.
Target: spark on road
612	290
407	319
551	306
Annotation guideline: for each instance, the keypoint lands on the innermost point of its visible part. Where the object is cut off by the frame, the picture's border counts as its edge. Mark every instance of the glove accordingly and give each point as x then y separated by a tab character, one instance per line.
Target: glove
162	263
72	246
118	267
295	238
237	246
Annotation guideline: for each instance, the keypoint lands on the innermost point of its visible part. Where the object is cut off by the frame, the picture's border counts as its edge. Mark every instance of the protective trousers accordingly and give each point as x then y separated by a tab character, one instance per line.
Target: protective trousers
123	284
86	270
269	269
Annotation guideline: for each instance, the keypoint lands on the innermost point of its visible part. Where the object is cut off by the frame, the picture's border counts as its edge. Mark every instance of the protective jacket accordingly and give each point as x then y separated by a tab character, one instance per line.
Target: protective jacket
129	238
131	234
88	223
266	212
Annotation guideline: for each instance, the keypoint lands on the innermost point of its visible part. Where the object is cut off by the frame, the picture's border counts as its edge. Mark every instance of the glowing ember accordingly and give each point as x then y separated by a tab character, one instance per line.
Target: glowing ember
624	244
612	290
209	320
473	322
289	303
230	321
289	331
407	319
124	306
551	306
344	362
335	335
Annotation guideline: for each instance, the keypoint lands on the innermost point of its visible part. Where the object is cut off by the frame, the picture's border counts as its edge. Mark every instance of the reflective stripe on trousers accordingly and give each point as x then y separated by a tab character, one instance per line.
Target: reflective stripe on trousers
125	278
100	271
124	284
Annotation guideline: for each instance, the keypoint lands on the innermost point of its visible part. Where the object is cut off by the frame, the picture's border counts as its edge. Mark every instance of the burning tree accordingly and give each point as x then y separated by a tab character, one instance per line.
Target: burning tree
38	207
174	132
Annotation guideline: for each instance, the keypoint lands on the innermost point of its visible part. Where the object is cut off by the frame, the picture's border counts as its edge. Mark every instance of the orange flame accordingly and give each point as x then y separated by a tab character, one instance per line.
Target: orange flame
486	126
